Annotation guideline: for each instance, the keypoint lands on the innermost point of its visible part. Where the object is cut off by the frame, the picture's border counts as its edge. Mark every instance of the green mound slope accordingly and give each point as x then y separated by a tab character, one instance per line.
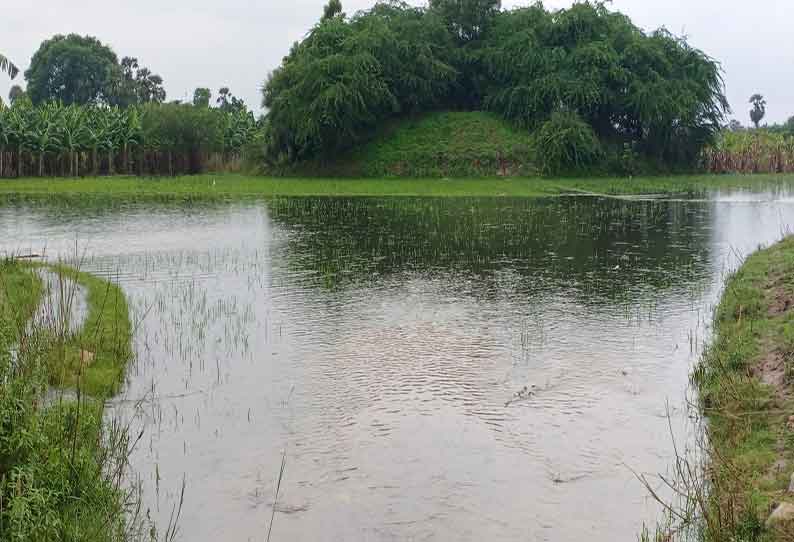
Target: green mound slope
441	144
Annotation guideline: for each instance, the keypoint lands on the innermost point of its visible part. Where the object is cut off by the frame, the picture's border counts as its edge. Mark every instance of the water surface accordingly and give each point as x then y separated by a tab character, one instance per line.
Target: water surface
431	369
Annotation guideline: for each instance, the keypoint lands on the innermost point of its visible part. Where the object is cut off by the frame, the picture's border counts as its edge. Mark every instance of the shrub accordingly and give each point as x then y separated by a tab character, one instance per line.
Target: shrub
566	143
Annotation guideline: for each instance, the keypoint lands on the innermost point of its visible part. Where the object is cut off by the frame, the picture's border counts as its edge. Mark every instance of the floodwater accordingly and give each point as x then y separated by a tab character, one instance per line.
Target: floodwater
426	369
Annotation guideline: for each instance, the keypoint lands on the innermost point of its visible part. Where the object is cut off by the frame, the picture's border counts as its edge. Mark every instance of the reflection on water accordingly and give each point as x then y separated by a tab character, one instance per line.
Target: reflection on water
450	369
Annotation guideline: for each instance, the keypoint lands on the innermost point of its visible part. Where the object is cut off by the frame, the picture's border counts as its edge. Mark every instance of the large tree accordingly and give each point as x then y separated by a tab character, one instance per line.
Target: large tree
587	67
8	67
72	69
350	74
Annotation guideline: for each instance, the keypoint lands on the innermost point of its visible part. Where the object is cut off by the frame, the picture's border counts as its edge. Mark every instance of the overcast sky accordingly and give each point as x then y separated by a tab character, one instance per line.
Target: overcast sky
235	43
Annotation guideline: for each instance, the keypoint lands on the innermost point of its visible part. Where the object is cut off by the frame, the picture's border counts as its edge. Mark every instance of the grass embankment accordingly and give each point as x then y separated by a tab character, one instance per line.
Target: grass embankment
59	467
439	144
232	185
746	383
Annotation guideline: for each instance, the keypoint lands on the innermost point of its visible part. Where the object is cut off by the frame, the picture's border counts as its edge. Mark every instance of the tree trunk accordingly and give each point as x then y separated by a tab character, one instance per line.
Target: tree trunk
110	162
19	161
41	164
94	161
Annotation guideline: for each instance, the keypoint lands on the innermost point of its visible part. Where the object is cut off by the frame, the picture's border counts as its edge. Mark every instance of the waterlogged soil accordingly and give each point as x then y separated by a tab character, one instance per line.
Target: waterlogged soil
426	369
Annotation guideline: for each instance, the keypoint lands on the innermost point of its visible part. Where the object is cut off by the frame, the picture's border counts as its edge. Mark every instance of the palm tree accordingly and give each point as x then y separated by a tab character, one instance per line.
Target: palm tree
8	67
759	109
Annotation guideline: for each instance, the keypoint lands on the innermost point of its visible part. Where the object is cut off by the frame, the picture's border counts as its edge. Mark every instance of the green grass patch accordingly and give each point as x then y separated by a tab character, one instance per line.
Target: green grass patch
57	457
747	404
232	185
105	337
438	144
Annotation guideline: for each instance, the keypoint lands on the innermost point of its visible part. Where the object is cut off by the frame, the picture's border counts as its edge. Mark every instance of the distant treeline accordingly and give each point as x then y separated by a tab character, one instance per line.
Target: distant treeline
585	81
150	139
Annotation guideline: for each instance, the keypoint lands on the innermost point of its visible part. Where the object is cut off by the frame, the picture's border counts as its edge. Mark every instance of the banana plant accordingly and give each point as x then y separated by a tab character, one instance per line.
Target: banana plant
157	138
18	122
4	137
128	133
43	137
73	135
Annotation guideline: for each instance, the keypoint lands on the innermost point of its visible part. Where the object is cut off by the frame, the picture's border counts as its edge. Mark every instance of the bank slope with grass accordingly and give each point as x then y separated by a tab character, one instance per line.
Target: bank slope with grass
746	384
60	465
439	144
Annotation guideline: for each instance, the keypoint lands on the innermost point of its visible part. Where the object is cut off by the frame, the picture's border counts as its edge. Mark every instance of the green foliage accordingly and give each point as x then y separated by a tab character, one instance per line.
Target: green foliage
136	85
201	97
56	482
347	76
466	19
73	70
151	138
652	94
566	143
81	70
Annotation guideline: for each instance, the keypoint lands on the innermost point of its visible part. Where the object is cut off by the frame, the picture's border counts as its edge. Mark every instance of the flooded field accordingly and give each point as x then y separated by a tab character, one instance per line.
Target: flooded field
423	369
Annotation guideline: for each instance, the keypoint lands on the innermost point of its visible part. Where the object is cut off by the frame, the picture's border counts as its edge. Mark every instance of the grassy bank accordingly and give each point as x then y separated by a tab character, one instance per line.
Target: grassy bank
746	384
59	463
439	144
230	185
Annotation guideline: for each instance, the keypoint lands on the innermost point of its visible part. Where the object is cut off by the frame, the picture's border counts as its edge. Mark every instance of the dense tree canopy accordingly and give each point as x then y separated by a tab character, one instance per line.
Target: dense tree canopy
348	75
466	19
81	70
651	93
73	70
